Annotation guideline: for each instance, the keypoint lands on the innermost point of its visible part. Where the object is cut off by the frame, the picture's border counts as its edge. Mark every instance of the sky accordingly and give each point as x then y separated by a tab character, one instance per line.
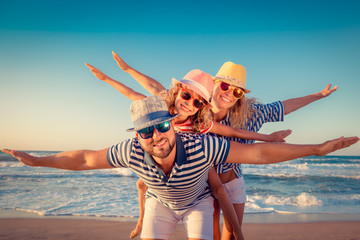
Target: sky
49	99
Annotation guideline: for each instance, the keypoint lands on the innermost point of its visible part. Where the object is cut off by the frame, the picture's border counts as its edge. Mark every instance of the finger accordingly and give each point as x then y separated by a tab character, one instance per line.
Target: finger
334	89
8	151
90	66
288	133
115	55
350	141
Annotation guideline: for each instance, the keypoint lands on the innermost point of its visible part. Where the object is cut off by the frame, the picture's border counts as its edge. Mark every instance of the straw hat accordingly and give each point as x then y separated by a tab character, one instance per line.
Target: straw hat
149	112
233	74
200	82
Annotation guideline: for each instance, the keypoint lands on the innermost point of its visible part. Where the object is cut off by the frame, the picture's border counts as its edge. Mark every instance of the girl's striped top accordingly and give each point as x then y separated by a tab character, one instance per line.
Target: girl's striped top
271	112
187	126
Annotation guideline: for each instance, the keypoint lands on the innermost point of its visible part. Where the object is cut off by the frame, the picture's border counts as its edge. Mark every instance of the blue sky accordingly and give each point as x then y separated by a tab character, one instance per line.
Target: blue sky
49	99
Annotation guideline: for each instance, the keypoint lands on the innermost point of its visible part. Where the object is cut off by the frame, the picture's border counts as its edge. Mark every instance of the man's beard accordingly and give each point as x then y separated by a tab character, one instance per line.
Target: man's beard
165	152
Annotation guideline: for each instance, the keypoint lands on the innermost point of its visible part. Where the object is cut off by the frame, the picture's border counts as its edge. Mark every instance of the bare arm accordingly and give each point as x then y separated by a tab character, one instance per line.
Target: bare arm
125	90
142	188
266	153
224	202
150	84
294	104
227	131
75	160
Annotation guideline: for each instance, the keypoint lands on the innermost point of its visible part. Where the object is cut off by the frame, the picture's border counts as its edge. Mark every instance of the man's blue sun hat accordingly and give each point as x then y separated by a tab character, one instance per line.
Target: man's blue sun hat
149	112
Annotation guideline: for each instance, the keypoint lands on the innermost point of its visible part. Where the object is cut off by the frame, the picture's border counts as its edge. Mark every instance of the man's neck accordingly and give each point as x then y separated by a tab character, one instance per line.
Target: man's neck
166	164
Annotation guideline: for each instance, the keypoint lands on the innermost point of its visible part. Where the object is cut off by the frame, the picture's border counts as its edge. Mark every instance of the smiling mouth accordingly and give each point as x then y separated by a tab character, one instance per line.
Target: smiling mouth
184	108
225	99
160	143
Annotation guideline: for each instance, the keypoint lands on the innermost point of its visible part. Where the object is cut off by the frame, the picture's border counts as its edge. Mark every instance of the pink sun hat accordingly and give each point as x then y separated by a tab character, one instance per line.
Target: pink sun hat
200	82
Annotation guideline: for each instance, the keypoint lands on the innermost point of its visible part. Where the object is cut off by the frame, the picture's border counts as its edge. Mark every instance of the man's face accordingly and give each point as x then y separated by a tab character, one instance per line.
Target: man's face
160	145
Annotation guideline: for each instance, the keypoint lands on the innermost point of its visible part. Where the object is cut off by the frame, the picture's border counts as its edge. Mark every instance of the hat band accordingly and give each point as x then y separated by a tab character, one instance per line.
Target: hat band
199	86
235	80
151	117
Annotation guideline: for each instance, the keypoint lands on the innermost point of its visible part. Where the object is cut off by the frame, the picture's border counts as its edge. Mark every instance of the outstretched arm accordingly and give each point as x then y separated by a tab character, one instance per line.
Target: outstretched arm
294	104
150	84
266	153
125	90
228	131
75	160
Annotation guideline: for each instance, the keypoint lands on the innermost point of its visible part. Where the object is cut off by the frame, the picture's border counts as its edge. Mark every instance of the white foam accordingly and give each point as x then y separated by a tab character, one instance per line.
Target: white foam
11	164
302	200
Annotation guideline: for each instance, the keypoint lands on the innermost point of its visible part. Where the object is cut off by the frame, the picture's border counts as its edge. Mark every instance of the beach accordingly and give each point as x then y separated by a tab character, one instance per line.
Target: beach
60	229
20	225
308	198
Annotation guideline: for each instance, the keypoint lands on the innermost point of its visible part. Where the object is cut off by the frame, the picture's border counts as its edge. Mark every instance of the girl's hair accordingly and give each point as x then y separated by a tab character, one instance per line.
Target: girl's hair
200	120
241	112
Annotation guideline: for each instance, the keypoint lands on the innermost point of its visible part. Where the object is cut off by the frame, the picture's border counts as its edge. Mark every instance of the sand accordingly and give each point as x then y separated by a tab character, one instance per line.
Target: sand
88	229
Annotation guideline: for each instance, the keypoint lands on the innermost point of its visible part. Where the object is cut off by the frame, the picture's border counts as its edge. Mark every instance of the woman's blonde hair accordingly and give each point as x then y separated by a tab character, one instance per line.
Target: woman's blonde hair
200	120
241	112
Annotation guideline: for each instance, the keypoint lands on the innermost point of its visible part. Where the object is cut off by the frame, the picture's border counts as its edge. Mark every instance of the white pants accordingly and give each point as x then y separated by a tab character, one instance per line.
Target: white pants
160	221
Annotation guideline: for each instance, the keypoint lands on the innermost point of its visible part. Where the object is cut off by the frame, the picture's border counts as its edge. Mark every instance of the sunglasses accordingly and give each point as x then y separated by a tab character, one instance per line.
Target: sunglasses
187	96
148	132
237	92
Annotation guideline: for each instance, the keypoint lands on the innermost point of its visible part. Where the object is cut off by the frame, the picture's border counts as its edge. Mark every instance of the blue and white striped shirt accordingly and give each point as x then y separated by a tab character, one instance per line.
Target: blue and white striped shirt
271	112
187	184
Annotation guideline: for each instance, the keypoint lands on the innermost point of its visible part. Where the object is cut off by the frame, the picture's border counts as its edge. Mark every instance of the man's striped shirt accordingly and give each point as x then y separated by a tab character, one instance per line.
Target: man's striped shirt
271	112
187	184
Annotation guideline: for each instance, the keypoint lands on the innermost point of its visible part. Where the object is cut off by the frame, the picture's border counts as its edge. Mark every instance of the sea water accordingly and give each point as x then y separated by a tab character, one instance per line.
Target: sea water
329	184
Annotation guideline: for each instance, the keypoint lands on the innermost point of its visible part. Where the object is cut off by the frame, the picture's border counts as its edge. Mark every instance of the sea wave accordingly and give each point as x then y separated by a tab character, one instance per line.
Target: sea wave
302	200
297	175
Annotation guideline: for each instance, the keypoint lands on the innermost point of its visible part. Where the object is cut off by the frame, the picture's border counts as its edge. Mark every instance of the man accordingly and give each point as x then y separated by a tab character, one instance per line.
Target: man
175	166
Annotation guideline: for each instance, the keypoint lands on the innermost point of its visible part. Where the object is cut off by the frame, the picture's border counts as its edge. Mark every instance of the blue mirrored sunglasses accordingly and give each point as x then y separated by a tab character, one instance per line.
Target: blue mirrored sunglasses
148	132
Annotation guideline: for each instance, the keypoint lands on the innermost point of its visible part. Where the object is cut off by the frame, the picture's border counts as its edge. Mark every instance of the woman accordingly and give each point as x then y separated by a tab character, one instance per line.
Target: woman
232	108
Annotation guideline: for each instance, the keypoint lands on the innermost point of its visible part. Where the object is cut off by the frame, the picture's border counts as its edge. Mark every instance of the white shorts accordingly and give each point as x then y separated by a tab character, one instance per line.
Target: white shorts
160	222
236	190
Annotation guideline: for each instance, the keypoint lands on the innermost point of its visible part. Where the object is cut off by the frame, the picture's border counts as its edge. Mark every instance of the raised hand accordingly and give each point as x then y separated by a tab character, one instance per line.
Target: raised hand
336	144
327	91
279	136
23	157
99	74
122	64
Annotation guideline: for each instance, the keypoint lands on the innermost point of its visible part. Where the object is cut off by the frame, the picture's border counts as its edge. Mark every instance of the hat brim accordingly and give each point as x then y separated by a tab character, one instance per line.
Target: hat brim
152	123
194	88
234	84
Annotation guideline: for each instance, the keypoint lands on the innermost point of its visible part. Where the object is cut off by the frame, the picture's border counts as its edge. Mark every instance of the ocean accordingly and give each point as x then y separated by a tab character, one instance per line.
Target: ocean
329	184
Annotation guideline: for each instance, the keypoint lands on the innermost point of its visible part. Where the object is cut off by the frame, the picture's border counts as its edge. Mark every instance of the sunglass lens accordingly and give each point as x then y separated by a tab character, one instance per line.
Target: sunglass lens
163	127
198	103
224	86
238	93
146	132
185	95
